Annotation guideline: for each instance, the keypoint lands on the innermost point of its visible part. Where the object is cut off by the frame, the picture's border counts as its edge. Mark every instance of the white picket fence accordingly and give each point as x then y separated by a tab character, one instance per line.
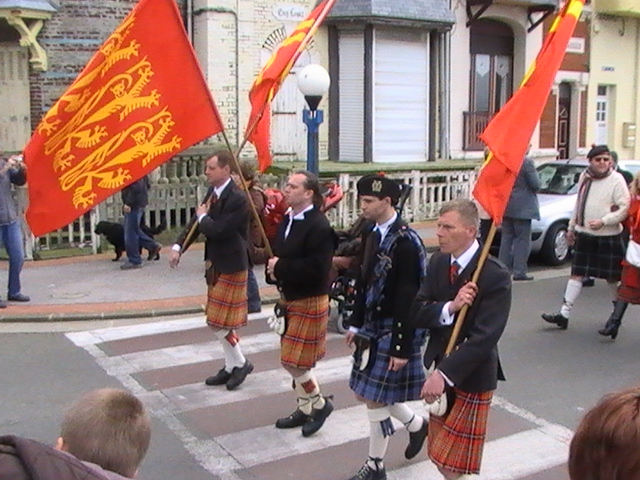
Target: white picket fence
177	188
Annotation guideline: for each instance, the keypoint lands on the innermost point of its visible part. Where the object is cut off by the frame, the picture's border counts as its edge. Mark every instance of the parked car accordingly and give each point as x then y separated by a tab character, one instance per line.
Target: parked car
557	198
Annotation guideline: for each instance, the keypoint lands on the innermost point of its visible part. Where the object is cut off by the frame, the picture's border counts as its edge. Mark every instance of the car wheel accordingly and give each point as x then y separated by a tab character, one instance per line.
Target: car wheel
555	249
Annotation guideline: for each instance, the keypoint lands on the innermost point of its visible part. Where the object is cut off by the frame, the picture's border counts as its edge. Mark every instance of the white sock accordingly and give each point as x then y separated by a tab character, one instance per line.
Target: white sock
574	287
613	286
377	441
304	401
402	412
233	356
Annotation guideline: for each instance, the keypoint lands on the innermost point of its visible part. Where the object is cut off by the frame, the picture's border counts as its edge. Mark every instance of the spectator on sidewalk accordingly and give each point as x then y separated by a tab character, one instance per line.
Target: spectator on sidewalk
605	445
107	429
515	240
13	171
135	198
256	240
223	218
595	228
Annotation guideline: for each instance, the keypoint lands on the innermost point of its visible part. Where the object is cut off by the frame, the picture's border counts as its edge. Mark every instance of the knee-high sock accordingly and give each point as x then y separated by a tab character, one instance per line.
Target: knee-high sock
233	356
574	287
308	385
613	286
378	437
402	412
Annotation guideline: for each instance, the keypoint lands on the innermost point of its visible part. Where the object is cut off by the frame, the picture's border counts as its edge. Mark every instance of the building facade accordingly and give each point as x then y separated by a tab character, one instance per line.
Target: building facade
613	110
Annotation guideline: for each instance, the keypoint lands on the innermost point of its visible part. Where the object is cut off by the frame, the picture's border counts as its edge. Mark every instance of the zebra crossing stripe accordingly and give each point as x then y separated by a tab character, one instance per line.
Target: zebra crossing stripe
507	458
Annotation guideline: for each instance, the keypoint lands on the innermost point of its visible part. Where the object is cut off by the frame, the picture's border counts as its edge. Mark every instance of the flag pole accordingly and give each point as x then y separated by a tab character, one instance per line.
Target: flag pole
484	254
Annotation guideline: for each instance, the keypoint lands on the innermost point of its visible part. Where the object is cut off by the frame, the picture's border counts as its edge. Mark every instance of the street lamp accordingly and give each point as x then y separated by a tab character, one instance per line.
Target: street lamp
313	82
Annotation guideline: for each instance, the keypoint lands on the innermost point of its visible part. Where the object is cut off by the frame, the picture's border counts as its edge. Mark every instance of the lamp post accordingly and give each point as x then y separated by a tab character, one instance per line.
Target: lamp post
313	82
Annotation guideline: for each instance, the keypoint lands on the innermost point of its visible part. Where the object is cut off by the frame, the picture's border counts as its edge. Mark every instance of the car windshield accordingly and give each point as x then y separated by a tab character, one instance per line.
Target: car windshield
559	179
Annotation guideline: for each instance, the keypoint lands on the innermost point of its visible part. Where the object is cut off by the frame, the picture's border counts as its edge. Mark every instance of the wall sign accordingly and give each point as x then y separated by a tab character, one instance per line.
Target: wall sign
290	13
575	45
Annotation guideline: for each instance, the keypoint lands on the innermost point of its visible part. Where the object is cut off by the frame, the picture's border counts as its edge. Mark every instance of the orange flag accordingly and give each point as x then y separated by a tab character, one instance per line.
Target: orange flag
268	81
139	101
509	132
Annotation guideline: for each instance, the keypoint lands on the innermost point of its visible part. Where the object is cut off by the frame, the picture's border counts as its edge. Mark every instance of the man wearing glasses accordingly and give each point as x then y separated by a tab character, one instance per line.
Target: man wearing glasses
595	230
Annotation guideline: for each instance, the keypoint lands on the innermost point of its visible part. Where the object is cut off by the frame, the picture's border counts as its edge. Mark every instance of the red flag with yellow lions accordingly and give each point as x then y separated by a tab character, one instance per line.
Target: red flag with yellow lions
275	71
139	101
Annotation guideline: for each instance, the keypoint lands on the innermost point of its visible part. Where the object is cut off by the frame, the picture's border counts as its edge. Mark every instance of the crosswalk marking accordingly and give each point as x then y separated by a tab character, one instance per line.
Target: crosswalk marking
542	446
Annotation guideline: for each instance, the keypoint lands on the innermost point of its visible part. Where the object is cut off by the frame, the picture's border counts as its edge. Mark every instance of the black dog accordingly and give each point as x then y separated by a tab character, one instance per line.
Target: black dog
114	233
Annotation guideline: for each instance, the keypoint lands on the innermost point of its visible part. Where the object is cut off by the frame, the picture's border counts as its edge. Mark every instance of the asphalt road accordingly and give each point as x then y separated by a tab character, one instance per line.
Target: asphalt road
552	377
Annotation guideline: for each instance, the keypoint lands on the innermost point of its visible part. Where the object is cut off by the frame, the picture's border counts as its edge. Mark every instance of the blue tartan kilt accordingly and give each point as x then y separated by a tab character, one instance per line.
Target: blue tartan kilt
379	384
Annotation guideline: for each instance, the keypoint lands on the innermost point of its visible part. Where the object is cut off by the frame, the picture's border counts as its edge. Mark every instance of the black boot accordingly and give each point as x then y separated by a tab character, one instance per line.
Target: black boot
610	328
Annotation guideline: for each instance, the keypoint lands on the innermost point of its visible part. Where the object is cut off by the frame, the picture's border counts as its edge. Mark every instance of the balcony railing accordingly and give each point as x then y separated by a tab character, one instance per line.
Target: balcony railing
474	125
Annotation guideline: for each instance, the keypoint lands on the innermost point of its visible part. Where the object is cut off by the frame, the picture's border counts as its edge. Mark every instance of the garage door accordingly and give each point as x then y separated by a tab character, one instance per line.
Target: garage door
401	97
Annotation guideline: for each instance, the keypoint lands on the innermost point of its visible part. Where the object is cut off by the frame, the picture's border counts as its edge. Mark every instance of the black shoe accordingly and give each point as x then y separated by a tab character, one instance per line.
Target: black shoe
522	278
2	304
154	253
20	297
238	374
557	319
317	418
130	266
588	282
370	473
255	310
610	329
296	419
219	378
416	440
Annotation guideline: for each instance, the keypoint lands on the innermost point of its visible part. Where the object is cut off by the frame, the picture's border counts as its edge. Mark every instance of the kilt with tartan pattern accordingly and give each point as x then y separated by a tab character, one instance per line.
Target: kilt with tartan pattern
227	301
455	442
379	384
598	257
305	340
629	290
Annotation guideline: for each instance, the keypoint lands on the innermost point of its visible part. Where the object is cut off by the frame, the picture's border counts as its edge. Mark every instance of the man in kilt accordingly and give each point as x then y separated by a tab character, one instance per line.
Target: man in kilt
595	230
392	265
223	220
300	268
470	373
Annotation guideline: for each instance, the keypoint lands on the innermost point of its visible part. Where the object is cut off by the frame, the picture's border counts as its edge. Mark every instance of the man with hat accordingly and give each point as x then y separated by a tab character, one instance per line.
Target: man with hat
387	371
300	268
595	230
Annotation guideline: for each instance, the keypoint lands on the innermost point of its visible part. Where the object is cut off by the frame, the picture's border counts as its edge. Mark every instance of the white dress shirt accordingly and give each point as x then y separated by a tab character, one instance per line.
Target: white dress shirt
463	261
292	217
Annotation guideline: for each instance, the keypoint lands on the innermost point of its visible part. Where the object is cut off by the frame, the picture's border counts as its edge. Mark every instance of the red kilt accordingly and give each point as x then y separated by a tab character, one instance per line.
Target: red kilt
227	301
629	290
456	441
305	341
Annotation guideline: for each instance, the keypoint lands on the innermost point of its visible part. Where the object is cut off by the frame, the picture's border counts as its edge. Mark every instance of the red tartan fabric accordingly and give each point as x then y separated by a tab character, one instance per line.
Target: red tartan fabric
456	442
629	290
227	301
305	341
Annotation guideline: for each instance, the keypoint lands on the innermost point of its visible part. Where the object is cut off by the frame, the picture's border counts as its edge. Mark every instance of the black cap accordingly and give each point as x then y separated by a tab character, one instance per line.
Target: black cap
598	150
379	186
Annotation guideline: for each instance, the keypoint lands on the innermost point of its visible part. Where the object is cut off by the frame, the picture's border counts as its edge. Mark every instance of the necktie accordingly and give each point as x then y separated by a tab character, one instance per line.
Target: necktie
453	272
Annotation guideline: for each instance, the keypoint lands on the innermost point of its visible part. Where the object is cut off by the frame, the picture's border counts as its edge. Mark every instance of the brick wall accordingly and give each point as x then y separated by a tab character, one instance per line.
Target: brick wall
70	38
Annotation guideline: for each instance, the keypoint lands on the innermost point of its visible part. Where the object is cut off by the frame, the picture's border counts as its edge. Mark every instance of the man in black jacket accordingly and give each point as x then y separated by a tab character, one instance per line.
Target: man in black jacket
135	198
472	369
392	265
223	219
303	250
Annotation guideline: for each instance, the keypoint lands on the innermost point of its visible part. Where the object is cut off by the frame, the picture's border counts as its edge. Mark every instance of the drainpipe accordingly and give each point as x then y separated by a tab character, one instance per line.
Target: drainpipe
202	10
445	95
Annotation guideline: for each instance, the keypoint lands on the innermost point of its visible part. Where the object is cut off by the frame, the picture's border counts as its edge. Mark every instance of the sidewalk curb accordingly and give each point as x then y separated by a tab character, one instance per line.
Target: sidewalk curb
267	299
